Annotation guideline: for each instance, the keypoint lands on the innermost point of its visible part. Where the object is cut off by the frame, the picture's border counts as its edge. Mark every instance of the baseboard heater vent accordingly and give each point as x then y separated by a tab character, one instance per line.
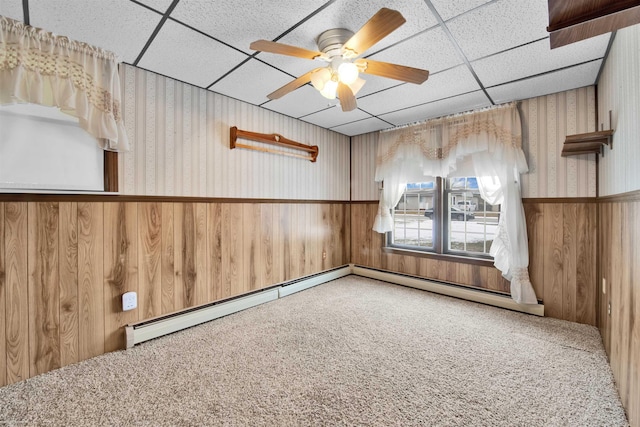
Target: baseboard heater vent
137	333
449	290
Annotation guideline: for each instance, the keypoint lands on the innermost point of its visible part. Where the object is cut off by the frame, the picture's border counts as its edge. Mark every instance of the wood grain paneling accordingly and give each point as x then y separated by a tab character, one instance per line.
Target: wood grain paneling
200	250
586	264
553	259
149	259
91	317
252	255
619	305
569	259
214	251
17	302
562	247
44	297
231	251
266	245
167	259
68	270
3	302
65	265
121	270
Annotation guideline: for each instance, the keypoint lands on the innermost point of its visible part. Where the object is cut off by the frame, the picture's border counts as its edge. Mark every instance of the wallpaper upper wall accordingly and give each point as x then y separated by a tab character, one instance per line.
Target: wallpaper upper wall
619	91
546	120
180	139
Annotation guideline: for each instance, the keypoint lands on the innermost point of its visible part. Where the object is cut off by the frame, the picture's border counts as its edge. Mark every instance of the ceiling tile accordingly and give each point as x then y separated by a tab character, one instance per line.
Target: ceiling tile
334	117
456	104
441	85
122	27
536	58
252	82
12	9
500	25
351	15
447	9
371	124
431	50
241	22
159	5
300	102
376	84
189	56
558	81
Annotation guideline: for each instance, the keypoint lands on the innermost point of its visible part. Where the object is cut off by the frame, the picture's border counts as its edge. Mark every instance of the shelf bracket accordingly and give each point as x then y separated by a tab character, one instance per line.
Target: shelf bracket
272	139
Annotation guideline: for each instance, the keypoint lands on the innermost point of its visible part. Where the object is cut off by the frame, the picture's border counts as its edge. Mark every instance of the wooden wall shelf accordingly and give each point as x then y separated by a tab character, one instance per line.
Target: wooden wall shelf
584	143
273	139
572	21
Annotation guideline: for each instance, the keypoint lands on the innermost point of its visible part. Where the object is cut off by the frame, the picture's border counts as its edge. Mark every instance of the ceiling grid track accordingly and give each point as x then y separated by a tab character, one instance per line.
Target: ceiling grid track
174	3
25	11
481	52
453	41
254	55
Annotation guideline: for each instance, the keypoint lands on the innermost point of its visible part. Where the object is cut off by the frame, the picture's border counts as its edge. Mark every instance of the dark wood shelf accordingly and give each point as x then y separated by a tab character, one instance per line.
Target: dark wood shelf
585	143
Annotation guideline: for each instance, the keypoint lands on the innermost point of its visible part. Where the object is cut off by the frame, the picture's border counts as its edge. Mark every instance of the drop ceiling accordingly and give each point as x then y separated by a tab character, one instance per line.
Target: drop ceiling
479	52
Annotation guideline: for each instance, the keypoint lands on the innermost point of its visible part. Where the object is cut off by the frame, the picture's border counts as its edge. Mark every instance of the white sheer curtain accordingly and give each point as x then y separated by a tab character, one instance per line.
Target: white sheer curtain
82	80
491	141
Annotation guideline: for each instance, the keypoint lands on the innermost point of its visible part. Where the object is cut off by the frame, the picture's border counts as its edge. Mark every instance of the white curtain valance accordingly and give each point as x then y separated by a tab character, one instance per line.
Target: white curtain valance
486	144
41	68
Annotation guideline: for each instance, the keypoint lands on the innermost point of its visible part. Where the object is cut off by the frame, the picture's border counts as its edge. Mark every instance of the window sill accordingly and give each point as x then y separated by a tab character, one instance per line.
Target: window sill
440	257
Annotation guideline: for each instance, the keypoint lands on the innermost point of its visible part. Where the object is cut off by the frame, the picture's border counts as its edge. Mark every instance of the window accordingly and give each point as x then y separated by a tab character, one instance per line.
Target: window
42	148
444	216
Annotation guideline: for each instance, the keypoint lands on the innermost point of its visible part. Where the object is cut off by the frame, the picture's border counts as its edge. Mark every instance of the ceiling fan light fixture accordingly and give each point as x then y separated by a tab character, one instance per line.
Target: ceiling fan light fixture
357	85
330	89
348	72
320	77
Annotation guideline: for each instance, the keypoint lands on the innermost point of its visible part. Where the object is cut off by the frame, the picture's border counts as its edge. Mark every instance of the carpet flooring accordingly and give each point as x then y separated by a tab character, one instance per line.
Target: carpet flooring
353	351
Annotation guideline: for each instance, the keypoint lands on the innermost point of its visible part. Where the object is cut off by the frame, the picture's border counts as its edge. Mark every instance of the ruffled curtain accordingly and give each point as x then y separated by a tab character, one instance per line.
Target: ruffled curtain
490	143
82	80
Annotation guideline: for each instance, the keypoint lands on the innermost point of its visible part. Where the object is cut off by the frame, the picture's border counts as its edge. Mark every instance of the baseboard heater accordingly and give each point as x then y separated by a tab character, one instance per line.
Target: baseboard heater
139	332
456	291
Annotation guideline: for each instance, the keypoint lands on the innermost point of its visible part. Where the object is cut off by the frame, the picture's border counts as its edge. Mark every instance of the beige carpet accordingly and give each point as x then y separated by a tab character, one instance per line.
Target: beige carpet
351	352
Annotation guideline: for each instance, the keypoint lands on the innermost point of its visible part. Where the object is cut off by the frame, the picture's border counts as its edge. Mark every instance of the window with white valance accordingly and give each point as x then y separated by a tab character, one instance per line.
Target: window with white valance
39	67
485	144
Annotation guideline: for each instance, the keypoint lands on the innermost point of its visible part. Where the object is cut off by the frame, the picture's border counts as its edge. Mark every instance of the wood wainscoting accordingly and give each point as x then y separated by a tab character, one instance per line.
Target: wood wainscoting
562	247
65	264
619	304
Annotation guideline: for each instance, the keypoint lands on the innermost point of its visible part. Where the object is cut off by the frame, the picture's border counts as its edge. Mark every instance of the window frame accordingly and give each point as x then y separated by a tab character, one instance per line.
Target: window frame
441	230
109	163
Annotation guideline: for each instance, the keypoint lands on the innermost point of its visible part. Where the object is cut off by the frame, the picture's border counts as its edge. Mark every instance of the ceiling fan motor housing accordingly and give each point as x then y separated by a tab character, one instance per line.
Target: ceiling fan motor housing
330	42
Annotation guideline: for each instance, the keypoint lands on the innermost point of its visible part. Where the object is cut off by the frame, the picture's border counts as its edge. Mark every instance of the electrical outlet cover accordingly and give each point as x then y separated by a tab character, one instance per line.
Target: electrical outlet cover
129	301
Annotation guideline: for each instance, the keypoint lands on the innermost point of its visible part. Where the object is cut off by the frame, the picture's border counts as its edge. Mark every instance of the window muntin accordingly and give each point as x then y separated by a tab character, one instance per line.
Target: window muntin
466	225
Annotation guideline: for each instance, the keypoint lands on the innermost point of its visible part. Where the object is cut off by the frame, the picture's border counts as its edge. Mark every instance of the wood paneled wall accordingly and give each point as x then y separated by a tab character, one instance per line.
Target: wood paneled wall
619	305
562	266
65	265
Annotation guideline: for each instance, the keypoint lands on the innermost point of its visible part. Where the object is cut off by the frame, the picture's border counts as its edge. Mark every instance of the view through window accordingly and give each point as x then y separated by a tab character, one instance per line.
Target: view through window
445	216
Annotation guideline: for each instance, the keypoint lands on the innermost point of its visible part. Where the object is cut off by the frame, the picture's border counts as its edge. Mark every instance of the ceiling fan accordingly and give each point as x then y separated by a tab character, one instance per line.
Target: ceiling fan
341	49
